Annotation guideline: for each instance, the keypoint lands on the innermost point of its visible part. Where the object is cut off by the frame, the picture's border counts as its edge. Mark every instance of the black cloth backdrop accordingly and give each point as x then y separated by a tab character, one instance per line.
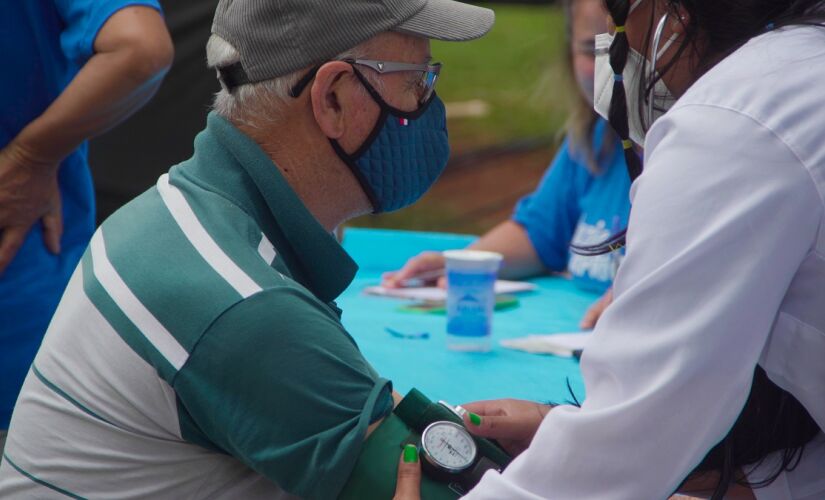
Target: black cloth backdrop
128	159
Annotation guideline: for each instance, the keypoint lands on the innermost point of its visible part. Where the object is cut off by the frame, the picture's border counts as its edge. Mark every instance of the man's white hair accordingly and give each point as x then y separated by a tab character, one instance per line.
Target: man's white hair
256	104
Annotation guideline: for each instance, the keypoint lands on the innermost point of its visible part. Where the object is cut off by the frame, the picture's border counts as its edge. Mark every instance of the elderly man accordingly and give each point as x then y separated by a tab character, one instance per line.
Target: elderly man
197	351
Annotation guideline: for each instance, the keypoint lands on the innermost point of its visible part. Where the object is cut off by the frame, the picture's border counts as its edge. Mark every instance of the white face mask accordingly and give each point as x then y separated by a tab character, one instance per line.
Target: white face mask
660	100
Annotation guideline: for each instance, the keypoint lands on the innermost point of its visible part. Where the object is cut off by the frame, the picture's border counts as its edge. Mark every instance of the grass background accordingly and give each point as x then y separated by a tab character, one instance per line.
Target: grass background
518	69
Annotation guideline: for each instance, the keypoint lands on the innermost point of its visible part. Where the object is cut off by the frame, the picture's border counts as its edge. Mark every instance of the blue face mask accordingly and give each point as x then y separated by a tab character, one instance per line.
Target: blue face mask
403	155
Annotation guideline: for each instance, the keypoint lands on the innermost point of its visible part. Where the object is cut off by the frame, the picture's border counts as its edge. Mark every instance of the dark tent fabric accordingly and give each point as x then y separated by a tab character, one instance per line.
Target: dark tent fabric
128	159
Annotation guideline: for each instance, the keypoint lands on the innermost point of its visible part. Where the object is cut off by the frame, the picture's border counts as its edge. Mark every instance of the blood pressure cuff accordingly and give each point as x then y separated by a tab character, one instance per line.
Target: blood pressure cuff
376	470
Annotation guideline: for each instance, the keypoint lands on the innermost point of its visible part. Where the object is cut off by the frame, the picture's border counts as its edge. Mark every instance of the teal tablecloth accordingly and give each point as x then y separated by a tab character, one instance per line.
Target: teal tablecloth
457	377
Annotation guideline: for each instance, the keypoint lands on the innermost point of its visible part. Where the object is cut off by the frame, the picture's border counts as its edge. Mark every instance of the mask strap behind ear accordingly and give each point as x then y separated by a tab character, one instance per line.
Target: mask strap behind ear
370	89
302	84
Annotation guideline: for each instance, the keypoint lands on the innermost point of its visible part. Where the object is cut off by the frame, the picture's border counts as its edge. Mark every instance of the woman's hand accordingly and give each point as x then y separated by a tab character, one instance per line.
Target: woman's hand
591	317
423	265
408	486
511	422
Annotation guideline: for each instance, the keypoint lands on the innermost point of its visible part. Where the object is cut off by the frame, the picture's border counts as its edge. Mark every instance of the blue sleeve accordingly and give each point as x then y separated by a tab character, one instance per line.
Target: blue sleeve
83	20
550	214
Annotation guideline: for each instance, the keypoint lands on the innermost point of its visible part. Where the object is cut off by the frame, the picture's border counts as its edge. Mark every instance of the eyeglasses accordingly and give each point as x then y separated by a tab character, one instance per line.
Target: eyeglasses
426	83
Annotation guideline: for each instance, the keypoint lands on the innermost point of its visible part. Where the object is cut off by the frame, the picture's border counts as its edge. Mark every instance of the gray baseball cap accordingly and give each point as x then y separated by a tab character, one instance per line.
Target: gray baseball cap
277	37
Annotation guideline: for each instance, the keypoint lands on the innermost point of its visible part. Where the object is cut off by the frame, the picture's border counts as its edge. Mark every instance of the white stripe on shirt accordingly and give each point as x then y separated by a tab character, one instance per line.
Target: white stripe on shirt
131	306
266	250
206	246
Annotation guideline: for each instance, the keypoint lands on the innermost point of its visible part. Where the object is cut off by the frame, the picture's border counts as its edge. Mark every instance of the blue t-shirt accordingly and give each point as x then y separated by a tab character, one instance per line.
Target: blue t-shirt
572	205
44	43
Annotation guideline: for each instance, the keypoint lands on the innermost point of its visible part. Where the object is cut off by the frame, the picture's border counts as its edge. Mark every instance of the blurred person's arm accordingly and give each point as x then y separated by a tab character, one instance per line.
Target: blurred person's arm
537	238
132	52
508	238
521	260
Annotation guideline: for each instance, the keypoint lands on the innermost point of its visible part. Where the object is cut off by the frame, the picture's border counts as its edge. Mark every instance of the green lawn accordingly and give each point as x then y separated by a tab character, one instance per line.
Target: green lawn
518	69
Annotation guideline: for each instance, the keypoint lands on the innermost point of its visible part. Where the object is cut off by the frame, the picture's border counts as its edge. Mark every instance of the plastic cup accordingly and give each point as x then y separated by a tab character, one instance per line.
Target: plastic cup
471	298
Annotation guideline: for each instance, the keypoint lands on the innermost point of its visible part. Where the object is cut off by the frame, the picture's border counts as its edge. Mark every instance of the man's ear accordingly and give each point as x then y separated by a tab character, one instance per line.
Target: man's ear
330	95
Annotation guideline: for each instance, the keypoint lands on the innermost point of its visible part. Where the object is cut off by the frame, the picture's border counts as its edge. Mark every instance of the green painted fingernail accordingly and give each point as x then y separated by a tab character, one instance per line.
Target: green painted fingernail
410	454
475	419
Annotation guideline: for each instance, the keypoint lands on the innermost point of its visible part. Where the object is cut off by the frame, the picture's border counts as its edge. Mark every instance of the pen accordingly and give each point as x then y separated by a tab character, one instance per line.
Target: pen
401	335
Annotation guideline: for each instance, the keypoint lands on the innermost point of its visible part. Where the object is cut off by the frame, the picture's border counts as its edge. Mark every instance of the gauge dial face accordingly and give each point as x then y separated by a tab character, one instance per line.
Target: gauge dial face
449	445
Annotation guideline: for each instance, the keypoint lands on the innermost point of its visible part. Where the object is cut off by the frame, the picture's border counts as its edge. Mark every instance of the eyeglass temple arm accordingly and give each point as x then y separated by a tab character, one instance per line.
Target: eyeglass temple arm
393	67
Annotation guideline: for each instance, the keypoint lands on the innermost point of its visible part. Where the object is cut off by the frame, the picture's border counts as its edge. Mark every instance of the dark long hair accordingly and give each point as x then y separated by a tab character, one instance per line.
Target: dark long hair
725	26
773	420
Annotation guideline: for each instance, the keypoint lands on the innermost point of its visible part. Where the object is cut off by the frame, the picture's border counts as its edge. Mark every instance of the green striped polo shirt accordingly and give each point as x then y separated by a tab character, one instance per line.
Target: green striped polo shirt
197	351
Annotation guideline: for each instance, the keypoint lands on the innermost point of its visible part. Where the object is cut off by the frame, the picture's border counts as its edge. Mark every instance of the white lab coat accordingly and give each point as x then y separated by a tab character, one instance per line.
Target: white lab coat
725	269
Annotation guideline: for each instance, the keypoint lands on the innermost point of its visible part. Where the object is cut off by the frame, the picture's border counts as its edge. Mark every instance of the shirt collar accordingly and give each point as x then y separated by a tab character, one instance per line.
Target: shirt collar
236	167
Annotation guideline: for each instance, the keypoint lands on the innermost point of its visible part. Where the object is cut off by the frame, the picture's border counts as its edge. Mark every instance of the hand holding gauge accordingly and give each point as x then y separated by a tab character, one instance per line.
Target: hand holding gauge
450	454
448	446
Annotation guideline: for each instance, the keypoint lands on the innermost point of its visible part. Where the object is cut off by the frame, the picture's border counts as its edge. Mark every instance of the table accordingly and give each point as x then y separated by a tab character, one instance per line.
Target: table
457	377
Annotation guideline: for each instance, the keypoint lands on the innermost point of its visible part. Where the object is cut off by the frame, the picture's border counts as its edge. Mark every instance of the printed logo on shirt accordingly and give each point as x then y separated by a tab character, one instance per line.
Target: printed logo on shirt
599	268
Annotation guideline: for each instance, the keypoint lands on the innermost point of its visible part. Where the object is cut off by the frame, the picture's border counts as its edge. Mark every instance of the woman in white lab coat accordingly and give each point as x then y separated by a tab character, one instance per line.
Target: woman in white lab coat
723	284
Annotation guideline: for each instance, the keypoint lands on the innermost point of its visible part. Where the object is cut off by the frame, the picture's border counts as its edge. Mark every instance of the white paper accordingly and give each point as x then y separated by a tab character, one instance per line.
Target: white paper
559	344
433	293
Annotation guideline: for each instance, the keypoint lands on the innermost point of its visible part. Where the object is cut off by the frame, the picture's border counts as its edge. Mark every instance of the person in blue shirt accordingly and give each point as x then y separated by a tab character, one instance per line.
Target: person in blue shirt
582	199
72	69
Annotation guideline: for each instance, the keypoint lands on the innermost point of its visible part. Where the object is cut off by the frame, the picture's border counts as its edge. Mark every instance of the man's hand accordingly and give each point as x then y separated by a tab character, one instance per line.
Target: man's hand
28	194
133	50
511	422
591	317
408	486
424	264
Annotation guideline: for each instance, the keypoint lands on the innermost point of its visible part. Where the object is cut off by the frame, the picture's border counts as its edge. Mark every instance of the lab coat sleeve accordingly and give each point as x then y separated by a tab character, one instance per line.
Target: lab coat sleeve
722	218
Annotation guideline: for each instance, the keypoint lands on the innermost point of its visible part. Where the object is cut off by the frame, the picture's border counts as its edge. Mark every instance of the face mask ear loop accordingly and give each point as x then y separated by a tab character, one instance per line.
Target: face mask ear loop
657	38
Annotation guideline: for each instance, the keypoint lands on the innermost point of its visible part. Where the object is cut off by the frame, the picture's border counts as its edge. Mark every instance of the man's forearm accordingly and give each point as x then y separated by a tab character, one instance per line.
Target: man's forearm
133	52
